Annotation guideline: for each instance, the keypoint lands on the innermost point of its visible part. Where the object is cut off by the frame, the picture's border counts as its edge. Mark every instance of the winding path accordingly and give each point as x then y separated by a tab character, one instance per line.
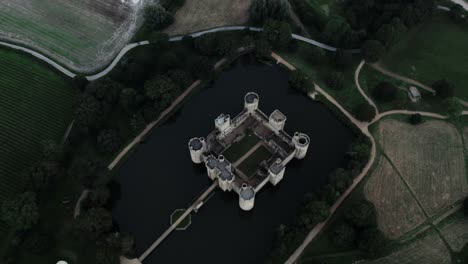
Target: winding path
146	42
364	127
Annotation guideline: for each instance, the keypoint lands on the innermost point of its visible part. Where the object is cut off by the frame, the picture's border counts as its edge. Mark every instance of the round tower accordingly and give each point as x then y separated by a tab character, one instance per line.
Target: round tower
197	146
301	141
251	100
246	197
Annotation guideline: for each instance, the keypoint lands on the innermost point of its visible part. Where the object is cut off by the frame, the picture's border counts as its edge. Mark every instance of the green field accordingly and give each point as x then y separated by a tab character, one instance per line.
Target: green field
250	165
370	77
239	148
36	104
348	96
434	50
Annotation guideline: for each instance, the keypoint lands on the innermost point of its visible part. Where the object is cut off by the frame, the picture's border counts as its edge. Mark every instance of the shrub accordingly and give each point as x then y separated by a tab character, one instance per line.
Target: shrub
384	92
334	80
443	88
415	119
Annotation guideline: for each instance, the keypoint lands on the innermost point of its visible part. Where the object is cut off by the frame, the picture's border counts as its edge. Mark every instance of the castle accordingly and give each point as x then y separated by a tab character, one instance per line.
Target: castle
258	145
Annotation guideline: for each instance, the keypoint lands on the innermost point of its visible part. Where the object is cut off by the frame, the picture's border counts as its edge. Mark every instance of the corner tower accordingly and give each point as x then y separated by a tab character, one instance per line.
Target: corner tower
246	197
197	146
301	142
251	101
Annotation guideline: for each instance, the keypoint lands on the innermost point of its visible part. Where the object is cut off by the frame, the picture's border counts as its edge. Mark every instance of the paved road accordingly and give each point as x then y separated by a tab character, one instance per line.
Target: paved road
141	43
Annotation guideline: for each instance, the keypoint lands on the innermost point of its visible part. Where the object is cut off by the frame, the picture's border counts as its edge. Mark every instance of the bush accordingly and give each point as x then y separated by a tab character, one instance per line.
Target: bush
415	119
384	92
364	112
298	80
453	107
157	18
444	88
334	80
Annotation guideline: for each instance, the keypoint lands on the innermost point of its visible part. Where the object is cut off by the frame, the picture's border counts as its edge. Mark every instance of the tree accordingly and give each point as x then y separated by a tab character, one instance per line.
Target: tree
415	119
372	50
343	235
41	175
108	140
318	211
262	48
277	33
372	241
51	151
137	123
384	92
340	179
159	41
364	112
87	170
21	212
456	13
94	222
97	197
128	99
161	89
262	10
89	113
444	88
335	80
39	242
157	18
342	59
361	214
182	78
200	66
299	81
315	55
80	82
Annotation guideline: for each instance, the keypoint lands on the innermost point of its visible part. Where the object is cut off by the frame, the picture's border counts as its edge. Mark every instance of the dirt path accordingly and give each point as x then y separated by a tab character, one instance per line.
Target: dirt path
358	85
83	196
364	127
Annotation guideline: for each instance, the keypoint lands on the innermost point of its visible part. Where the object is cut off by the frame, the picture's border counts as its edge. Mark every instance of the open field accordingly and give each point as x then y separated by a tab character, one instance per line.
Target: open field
456	234
35	104
429	157
196	15
250	165
432	51
428	250
397	210
82	34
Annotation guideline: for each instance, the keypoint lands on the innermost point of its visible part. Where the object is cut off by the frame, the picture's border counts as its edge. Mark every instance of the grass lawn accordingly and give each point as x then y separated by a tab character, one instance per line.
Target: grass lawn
239	148
178	213
250	165
348	96
370	77
434	50
36	104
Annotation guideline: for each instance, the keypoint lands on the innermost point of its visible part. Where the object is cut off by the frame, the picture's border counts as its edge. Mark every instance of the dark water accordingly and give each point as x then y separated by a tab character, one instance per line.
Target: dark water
160	177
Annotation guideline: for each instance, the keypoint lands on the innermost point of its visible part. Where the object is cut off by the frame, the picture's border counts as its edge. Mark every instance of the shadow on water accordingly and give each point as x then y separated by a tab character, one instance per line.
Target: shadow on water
160	177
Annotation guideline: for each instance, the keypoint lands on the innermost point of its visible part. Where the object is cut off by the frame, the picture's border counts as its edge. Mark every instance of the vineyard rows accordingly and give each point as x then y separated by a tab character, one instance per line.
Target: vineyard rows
36	104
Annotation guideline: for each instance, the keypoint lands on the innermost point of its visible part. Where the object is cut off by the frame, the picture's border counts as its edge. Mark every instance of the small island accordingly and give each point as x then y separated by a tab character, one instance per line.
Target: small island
245	153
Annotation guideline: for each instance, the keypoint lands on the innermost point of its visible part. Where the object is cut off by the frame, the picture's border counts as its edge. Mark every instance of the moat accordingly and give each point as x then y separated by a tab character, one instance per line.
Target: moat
160	177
